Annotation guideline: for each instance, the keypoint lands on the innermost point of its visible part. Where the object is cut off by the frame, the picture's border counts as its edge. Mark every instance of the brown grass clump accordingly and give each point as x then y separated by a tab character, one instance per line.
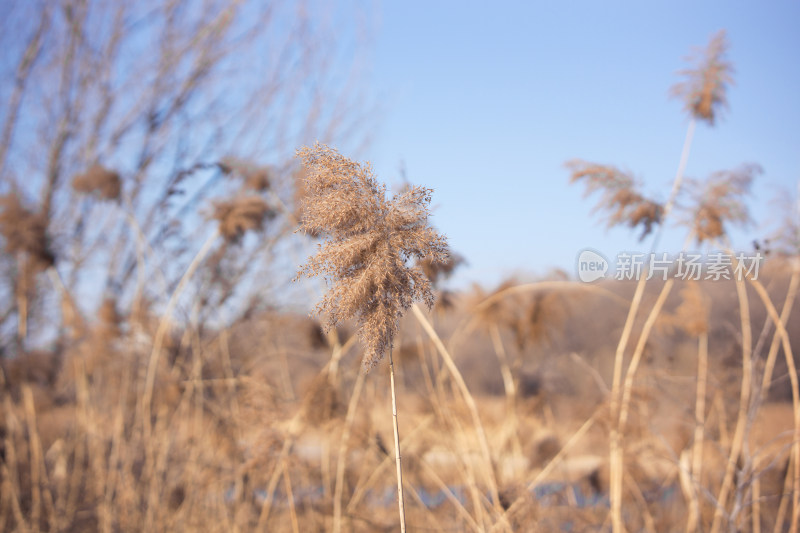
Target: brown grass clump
720	201
240	215
620	195
99	180
704	90
25	232
370	240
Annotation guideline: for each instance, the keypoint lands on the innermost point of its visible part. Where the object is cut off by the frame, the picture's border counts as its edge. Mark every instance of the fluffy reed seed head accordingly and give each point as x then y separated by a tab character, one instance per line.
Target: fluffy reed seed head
240	215
370	241
98	180
704	91
620	195
720	200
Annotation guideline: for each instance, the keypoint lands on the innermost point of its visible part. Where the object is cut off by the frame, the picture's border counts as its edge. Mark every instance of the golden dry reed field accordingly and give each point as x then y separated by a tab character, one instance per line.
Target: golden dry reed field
154	377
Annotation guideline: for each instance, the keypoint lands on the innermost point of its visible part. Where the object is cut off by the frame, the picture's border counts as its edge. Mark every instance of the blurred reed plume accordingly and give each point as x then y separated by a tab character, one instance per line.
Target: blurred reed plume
240	215
704	90
620	195
256	178
721	199
786	237
25	231
98	180
437	271
371	238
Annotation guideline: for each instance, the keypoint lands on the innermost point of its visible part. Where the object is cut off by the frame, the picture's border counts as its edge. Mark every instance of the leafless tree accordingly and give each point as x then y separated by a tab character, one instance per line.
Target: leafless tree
120	121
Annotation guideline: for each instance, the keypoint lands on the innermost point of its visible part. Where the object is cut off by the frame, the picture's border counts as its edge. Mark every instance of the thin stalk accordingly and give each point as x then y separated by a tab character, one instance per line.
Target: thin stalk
287	481
700	410
744	403
639	351
772	356
509	387
676	184
615	455
787	352
397	448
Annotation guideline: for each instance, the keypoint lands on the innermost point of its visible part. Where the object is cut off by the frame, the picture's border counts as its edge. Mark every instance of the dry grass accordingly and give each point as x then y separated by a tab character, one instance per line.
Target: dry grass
152	403
223	415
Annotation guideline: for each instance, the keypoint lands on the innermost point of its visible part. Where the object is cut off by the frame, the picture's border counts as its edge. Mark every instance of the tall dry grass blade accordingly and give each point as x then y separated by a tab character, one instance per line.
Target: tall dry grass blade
342	456
10	468
615	456
795	385
551	465
772	355
163	325
401	506
287	481
744	403
468	399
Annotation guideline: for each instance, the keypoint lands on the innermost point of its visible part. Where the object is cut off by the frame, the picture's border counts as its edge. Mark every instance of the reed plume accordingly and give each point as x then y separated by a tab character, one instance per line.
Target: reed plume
25	231
371	239
620	195
240	215
704	91
720	200
98	180
786	238
256	178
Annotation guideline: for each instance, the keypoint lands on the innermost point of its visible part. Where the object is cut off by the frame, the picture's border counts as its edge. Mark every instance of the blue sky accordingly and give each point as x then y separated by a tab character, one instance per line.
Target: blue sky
485	104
